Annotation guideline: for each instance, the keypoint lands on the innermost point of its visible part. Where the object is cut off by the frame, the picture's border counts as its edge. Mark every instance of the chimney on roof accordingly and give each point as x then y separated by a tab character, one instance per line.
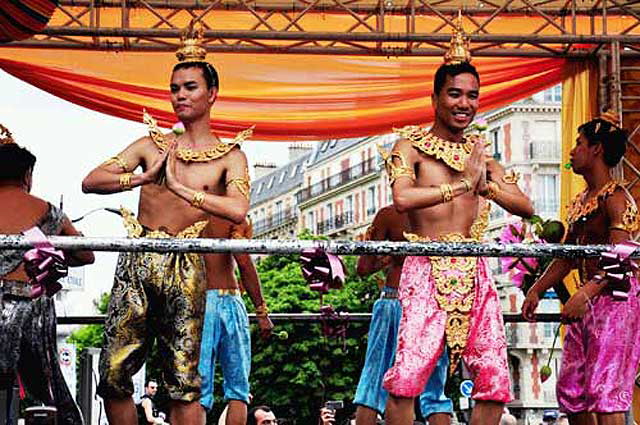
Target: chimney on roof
296	150
261	169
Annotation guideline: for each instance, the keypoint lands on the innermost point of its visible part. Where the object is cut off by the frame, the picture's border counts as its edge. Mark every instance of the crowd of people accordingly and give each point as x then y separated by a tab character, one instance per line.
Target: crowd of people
433	312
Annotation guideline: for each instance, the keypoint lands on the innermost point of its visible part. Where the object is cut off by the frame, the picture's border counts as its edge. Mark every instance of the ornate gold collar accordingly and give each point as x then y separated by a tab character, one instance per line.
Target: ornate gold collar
451	153
580	207
191	155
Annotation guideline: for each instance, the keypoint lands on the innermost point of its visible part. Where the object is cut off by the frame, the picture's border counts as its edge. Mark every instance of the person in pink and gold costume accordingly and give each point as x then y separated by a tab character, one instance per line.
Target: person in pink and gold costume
439	178
602	341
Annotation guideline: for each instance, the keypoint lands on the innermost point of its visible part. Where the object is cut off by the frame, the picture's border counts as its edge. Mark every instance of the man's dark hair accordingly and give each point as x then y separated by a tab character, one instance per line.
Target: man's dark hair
16	162
613	139
251	414
208	71
452	70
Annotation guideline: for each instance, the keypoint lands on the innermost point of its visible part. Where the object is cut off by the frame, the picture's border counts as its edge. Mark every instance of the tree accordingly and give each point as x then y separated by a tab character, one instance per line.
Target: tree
296	375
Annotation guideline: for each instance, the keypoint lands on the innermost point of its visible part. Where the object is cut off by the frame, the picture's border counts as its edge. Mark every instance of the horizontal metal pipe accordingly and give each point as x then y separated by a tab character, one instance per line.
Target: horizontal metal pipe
270	246
282	318
90	31
311	50
364	6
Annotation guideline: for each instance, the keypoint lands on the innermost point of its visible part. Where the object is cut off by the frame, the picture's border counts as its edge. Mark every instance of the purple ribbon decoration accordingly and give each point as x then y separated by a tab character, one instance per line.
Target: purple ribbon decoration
618	269
334	324
44	264
323	271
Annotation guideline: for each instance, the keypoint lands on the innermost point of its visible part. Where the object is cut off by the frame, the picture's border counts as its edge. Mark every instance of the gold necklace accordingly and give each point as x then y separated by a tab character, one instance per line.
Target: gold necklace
451	153
192	155
581	208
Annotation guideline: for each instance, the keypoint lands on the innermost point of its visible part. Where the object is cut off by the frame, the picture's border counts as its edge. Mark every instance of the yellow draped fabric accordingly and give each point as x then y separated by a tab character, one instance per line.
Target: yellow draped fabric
579	105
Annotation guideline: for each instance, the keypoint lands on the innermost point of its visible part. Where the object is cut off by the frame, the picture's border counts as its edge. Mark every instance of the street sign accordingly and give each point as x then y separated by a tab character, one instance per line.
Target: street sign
466	387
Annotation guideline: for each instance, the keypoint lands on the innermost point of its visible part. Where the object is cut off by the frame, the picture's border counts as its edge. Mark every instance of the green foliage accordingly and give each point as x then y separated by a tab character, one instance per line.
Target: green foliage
296	375
91	335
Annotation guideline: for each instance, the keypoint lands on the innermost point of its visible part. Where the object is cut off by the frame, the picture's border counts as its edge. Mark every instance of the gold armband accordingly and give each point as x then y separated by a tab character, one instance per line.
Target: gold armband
630	219
511	177
243	185
492	191
117	160
197	200
262	310
467	185
447	192
396	171
125	181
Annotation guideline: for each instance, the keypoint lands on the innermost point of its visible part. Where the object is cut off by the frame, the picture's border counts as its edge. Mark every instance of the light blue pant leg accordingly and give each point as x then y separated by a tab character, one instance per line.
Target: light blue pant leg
432	399
235	350
208	348
383	332
381	347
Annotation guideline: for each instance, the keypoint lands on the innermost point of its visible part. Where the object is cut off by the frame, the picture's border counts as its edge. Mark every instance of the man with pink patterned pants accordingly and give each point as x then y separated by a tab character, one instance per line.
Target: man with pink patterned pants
422	335
602	342
438	178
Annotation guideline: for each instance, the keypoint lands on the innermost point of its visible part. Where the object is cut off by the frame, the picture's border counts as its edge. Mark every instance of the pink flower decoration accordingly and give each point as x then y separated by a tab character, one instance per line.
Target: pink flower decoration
517	268
178	128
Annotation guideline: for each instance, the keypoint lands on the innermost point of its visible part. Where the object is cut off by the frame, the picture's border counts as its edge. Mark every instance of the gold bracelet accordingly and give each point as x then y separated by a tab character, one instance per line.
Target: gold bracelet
492	191
125	181
446	191
467	185
262	310
197	200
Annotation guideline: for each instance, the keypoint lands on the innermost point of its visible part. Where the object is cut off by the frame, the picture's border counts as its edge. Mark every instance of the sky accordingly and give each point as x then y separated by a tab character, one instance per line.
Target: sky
69	141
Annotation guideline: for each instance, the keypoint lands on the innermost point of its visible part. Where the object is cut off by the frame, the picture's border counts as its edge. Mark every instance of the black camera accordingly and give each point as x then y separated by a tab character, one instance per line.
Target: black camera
334	405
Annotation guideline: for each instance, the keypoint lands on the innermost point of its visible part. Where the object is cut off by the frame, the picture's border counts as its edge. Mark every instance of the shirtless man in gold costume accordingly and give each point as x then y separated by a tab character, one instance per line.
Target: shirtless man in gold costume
439	178
160	296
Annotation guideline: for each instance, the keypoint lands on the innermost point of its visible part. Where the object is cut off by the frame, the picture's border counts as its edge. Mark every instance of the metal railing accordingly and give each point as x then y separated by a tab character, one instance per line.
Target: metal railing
343	177
274	220
545	150
290	246
306	318
335	223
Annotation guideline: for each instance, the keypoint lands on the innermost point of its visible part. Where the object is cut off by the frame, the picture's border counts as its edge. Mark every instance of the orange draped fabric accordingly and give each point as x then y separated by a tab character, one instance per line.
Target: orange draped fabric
286	97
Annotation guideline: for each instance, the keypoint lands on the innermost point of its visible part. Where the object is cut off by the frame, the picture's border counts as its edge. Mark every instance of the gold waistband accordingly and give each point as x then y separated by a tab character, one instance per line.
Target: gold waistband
136	230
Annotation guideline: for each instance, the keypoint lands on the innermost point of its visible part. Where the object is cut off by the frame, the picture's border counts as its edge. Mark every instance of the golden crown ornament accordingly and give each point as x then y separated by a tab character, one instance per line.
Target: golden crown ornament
459	47
191	40
5	136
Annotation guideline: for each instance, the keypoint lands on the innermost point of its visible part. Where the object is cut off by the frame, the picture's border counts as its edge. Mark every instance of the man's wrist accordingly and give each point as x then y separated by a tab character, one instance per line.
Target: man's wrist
262	310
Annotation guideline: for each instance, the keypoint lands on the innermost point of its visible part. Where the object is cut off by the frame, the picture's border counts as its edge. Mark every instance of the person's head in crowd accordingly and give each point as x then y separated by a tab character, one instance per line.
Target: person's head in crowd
261	415
17	166
151	388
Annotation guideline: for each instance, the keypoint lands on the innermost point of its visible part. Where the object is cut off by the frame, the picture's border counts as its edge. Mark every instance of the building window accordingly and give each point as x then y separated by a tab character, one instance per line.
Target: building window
547	195
349	204
278	208
282	176
371	200
554	94
495	142
310	222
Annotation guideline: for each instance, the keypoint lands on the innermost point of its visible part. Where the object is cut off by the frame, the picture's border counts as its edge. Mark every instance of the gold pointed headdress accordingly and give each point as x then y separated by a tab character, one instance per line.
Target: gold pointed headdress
459	46
611	117
191	40
5	136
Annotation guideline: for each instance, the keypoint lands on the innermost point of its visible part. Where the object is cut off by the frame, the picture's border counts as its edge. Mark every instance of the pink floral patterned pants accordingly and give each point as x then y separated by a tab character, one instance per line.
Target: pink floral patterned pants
600	357
422	334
